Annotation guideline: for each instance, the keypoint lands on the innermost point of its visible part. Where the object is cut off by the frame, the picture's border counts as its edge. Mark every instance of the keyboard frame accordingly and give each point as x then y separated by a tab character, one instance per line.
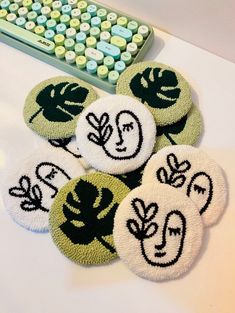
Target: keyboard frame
72	69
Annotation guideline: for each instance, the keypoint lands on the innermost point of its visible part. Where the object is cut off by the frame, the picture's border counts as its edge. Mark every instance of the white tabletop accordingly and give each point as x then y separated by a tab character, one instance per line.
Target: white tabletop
36	278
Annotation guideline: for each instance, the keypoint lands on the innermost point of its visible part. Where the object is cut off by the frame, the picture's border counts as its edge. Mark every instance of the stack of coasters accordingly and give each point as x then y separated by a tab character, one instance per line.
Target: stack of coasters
193	172
82	215
157	232
167	95
116	134
29	190
53	106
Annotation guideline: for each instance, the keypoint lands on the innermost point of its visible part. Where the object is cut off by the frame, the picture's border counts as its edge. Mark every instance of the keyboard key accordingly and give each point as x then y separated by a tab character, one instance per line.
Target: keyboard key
119	66
41	20
91	42
91	67
92	9
69	44
13	8
71	33
102	71
20	21
85	28
51	24
70	56
76	13
109	49
30	25
95	55
73	3
60	52
122	21
11	17
59	39
81	61
66	9
22	12
133	26
96	21
27	4
112	18
126	57
102	13
106	26
143	30
49	34
3	14
81	37
82	5
61	28
119	42
5	4
36	7
47	3
46	11
138	39
113	77
95	32
39	30
56	5
123	32
65	19
74	23
32	16
132	48
55	15
109	62
85	17
105	36
80	48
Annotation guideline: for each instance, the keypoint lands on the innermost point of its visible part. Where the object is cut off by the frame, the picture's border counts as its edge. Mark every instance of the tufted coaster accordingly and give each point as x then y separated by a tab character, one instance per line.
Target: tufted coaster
160	87
81	218
31	187
186	131
53	106
192	171
116	134
157	232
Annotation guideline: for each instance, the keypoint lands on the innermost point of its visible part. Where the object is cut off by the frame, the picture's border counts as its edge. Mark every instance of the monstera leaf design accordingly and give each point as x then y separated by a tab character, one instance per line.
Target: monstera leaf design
157	87
59	103
132	179
174	129
87	220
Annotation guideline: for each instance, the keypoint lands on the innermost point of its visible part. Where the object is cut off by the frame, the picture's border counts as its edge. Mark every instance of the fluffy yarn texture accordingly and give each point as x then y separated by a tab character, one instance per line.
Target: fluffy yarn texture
186	131
30	188
53	106
157	232
81	218
193	172
116	134
161	88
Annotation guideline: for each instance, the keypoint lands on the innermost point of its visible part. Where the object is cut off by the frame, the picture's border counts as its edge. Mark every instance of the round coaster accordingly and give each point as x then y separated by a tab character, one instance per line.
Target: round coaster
116	134
53	106
31	187
185	131
190	170
81	218
157	232
160	87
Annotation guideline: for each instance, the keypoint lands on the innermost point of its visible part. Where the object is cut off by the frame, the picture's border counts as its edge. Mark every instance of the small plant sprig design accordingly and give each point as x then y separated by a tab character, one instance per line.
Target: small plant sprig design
143	227
32	195
176	177
103	129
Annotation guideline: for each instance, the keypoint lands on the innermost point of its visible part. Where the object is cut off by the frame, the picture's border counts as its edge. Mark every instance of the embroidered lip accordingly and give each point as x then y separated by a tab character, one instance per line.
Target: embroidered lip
160	254
121	149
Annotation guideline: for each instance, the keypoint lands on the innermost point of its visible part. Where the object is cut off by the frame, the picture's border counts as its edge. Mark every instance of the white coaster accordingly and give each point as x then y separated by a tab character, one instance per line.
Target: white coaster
157	232
190	170
30	188
116	134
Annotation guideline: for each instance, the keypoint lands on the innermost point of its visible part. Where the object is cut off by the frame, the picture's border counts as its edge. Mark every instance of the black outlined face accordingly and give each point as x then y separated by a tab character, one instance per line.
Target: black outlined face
124	136
200	190
165	247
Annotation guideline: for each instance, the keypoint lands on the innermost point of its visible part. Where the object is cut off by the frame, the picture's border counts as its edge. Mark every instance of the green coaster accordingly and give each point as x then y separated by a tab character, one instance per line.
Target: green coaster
162	89
81	218
186	131
53	106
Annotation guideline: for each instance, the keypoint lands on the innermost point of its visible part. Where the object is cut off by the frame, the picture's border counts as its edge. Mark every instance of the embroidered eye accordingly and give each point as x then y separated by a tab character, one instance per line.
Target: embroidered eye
174	231
51	175
199	189
127	127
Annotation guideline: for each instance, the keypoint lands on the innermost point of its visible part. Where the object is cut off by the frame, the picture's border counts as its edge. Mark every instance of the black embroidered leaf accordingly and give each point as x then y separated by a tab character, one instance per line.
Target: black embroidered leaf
150	230
17	192
95	139
104	119
178	181
28	206
174	129
162	175
174	164
139	207
60	102
151	211
134	228
24	183
106	134
157	87
93	120
88	220
36	191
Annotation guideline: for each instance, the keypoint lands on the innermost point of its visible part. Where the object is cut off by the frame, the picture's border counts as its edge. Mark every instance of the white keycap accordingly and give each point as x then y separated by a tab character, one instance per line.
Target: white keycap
11	17
105	36
46	11
22	12
132	48
95	55
85	28
56	5
71	33
143	30
75	13
72	3
30	25
70	56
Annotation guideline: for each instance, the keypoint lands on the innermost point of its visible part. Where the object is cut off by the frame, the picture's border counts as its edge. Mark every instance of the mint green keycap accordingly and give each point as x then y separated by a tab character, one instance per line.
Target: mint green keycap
91	67
92	9
133	26
119	66
102	71
79	48
11	17
113	77
109	49
112	18
5	4
65	19
41	20
27	4
91	42
49	34
126	57
102	13
32	16
95	55
30	25
13	8
95	21
51	24
39	30
59	39
36	7
69	44
119	42
81	37
82	5
60	52
109	62
123	32
55	15
66	9
20	21
85	17
3	13
19	2
95	32
61	28
81	61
